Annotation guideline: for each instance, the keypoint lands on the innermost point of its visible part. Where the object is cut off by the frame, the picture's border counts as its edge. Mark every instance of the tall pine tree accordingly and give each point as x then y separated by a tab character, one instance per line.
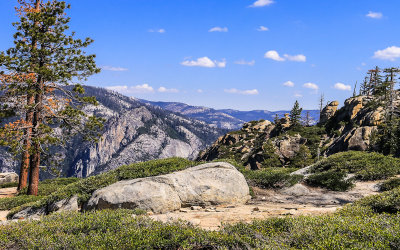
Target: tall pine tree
45	58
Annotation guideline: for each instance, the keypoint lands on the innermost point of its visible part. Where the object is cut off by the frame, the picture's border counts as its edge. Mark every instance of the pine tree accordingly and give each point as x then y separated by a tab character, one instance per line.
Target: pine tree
45	58
295	114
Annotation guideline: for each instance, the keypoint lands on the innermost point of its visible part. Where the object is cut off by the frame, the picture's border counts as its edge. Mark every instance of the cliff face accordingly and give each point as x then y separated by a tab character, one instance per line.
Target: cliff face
133	132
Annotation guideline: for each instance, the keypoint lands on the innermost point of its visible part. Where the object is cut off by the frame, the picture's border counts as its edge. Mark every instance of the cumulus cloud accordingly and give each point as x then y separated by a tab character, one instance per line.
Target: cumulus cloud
138	89
204	62
244	62
261	3
274	55
166	90
390	53
342	86
157	31
288	84
262	28
374	15
296	58
111	68
242	92
311	85
218	29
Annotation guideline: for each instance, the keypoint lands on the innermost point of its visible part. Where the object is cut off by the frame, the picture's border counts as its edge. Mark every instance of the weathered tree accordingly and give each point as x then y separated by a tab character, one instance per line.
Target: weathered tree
295	114
45	58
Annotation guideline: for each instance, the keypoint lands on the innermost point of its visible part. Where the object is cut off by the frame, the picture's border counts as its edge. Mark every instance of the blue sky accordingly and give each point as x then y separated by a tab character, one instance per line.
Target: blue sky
240	54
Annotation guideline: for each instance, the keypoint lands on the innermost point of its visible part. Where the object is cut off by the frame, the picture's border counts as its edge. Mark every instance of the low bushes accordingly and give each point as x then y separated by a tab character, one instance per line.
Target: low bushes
9	185
354	228
365	166
12	202
272	177
387	202
389	184
332	180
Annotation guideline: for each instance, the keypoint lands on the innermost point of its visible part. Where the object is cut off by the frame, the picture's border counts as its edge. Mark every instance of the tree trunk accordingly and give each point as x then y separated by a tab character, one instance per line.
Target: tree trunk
23	176
25	161
35	157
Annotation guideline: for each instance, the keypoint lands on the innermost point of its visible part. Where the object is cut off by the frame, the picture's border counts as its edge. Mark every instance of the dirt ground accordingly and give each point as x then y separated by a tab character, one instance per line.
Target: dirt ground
6	192
294	201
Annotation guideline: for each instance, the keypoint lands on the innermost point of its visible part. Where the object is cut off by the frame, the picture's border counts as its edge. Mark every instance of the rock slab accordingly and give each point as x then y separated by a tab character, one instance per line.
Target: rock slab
8	178
208	184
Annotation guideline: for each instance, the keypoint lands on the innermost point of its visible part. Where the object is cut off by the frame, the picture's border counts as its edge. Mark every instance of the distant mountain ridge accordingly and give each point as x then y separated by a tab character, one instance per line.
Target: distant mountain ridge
225	118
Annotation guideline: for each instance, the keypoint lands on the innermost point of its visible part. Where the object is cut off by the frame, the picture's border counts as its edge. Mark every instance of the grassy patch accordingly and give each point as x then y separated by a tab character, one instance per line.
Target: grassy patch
50	186
356	228
365	166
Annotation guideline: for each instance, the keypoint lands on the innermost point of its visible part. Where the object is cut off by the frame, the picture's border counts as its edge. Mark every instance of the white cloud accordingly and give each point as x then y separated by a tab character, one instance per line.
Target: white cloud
242	92
262	28
274	55
218	29
311	85
110	68
288	84
204	62
157	31
165	90
244	62
138	89
390	53
200	91
363	64
296	58
261	3
298	95
342	86
374	15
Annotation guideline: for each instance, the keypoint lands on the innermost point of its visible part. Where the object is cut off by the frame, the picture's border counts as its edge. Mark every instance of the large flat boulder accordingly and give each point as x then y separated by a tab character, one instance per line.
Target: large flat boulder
8	178
208	184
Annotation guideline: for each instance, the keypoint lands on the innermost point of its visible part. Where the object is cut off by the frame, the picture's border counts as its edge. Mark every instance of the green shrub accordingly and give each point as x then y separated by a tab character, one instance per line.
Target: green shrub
9	185
332	180
9	203
302	159
48	187
389	184
85	187
386	202
272	177
365	166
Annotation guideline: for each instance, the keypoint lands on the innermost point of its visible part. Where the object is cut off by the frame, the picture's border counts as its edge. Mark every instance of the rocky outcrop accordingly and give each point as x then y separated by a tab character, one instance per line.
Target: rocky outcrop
289	146
8	178
207	184
328	112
